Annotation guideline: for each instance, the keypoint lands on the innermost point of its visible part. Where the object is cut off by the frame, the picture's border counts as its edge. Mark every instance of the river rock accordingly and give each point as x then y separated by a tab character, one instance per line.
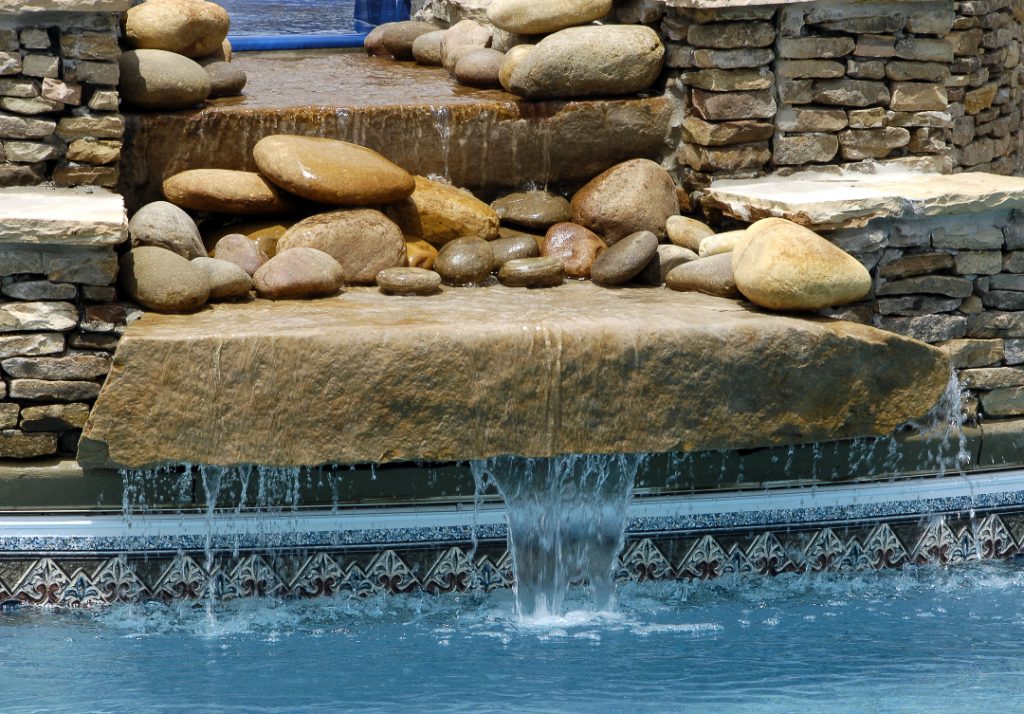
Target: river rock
543	272
162	281
513	57
264	233
226	80
479	68
720	243
242	193
542	17
577	247
513	248
667	258
227	280
783	266
712	276
242	251
156	79
623	261
536	210
399	37
636	195
299	273
408	281
331	171
164	225
438	213
373	43
420	254
192	28
426	49
364	241
464	261
461	37
597	60
687	232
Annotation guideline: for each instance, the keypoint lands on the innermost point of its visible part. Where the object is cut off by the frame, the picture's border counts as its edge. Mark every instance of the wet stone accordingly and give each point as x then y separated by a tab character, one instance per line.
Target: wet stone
240	250
513	248
464	261
419	254
408	281
665	260
227	280
711	276
625	260
541	272
577	247
532	209
299	273
687	232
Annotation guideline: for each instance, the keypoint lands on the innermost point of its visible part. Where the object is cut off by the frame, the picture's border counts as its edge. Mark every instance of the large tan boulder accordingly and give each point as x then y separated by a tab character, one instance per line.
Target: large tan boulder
157	79
364	241
439	213
242	193
636	195
542	17
161	280
783	266
331	171
192	28
596	60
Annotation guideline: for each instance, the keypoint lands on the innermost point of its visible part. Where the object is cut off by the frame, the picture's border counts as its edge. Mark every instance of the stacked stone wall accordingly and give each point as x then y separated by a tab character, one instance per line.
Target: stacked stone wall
59	117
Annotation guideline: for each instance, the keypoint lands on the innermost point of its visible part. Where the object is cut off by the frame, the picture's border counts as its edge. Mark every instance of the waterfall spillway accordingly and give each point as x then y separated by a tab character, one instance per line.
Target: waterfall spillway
566	524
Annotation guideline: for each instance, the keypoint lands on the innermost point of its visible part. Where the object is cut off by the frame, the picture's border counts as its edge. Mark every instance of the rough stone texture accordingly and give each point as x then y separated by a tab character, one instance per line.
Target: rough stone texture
531	392
65	216
36	316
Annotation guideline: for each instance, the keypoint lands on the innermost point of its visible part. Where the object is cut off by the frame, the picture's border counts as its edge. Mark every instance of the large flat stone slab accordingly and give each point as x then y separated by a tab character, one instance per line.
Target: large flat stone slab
476	372
16	6
417	116
62	217
828	200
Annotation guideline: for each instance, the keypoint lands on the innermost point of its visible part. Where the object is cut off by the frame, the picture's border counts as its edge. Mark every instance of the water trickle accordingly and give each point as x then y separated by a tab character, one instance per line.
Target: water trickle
566	524
443	125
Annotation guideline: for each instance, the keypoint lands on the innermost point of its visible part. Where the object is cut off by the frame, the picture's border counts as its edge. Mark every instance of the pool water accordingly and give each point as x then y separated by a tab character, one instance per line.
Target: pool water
290	17
922	639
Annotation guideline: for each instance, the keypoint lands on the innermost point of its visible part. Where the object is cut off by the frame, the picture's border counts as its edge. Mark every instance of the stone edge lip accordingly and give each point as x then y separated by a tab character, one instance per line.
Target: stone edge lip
25	6
40	227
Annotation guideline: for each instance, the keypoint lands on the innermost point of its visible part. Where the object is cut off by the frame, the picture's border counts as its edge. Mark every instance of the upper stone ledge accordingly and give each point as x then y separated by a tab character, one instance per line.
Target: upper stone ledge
20	6
63	217
827	200
730	4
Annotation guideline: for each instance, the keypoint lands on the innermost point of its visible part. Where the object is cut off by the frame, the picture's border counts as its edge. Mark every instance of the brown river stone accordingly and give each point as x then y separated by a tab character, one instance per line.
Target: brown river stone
241	193
576	246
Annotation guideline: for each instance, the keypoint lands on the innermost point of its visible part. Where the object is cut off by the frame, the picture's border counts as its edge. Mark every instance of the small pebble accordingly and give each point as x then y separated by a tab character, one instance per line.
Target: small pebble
408	281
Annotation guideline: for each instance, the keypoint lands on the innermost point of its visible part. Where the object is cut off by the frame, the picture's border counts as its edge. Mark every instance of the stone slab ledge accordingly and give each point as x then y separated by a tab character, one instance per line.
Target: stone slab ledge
10	7
62	217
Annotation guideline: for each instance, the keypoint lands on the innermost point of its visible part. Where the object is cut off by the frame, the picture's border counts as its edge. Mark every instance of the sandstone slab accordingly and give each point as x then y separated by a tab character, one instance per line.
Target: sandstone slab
62	216
534	392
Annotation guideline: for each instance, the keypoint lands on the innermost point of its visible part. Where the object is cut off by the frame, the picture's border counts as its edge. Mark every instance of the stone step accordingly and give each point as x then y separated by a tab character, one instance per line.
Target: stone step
53	217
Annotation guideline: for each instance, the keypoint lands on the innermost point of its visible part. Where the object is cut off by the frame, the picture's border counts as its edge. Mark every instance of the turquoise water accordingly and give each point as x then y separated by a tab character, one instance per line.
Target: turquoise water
924	639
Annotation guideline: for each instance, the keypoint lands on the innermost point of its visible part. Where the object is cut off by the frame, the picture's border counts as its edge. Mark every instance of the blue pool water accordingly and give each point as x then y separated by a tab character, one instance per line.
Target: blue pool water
274	17
924	639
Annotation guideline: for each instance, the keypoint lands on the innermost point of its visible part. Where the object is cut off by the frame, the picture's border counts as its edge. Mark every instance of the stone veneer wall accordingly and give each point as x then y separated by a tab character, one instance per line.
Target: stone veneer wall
773	88
59	117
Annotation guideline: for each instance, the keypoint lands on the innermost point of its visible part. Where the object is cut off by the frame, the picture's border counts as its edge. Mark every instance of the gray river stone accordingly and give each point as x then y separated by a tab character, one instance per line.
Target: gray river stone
299	273
712	276
164	225
544	272
227	280
512	248
625	260
408	281
464	261
163	281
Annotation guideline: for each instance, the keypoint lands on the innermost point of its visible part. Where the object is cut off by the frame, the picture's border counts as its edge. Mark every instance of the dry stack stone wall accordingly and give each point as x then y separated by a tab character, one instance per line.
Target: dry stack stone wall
59	117
778	88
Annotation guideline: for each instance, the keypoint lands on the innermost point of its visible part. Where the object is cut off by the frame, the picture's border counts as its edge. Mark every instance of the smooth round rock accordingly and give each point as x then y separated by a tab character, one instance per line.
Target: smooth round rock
623	261
264	233
420	254
464	261
537	210
479	68
513	248
711	276
462	36
687	232
373	43
783	266
242	193
426	49
192	28
399	37
408	281
242	251
364	241
574	245
161	80
542	17
331	171
164	225
226	80
163	281
298	273
543	272
227	280
512	59
438	213
596	60
667	258
720	243
636	195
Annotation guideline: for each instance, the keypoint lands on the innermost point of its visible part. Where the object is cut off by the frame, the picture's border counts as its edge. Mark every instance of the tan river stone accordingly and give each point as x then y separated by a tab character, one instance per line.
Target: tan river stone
363	377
